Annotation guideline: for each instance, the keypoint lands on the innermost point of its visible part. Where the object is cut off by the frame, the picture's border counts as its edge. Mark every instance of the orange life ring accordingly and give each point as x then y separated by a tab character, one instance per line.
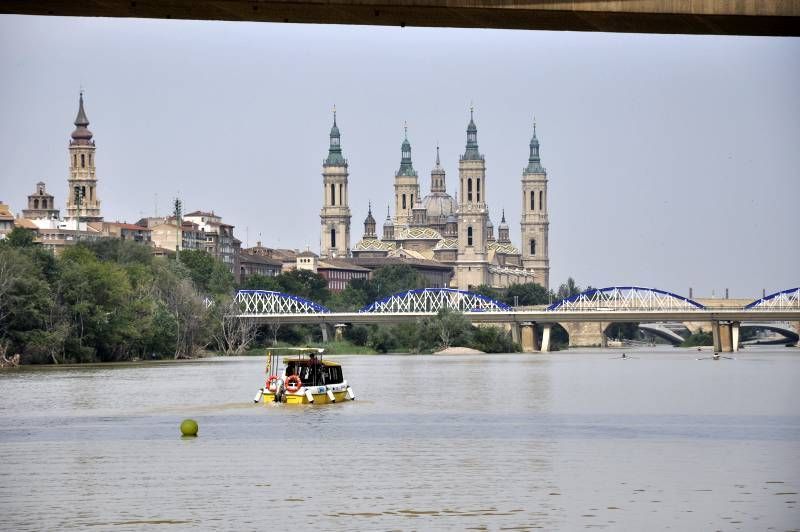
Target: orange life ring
272	383
293	383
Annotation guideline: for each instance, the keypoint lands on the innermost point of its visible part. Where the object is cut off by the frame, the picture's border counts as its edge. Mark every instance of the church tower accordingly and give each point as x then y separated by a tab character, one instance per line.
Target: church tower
406	186
472	267
335	213
83	204
535	224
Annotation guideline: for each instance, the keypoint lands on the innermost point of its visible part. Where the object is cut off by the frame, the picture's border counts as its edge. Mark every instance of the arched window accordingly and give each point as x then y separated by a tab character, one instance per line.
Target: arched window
44	204
333	194
83	161
469	235
540	199
533	246
469	189
478	189
412	201
90	159
340	194
36	204
533	200
83	192
333	238
74	160
404	201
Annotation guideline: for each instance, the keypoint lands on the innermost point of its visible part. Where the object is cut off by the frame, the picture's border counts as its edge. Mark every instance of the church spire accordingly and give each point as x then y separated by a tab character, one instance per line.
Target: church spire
534	163
471	152
81	135
438	175
335	157
406	168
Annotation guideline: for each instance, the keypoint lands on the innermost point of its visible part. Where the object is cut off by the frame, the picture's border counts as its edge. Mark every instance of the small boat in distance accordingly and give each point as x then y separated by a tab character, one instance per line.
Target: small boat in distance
306	378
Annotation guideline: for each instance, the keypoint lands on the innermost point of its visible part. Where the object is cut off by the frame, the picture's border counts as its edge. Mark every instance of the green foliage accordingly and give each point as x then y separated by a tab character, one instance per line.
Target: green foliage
623	331
305	283
527	294
209	275
20	238
700	338
261	282
103	301
493	340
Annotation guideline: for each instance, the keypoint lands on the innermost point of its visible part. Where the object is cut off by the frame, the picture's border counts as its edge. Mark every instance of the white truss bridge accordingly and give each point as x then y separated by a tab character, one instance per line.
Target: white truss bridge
626	298
623	304
265	302
785	300
432	300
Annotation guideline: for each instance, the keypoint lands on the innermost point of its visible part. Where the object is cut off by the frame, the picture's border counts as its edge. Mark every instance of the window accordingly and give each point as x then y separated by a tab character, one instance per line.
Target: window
44	204
412	200
469	189
469	235
333	194
333	238
90	159
74	160
533	200
540	199
404	201
340	195
36	204
533	246
83	161
478	189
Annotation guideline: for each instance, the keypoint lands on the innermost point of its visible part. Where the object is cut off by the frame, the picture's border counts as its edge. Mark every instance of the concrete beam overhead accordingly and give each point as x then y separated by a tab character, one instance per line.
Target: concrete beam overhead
717	17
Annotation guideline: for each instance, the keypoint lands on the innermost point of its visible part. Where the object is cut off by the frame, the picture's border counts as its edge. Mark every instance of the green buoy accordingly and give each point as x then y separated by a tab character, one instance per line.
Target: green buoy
189	427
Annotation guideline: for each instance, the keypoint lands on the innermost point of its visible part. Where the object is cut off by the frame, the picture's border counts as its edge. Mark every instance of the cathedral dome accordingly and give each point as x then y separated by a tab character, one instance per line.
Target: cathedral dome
439	204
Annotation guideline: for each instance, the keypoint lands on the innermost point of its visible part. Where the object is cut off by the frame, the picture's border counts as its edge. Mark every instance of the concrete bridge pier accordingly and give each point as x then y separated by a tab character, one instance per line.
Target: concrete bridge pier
529	339
726	336
339	335
515	333
546	328
586	334
327	332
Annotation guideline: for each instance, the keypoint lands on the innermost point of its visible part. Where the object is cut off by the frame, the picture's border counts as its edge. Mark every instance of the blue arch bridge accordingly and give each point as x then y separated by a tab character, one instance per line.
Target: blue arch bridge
585	316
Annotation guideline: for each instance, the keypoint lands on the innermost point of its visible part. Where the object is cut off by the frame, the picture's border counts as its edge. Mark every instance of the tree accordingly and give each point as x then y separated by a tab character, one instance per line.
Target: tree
568	289
451	327
527	294
305	283
234	334
20	238
262	282
209	274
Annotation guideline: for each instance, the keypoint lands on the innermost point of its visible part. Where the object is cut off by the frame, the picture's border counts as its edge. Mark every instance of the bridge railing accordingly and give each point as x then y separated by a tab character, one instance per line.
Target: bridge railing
633	298
266	302
783	300
432	300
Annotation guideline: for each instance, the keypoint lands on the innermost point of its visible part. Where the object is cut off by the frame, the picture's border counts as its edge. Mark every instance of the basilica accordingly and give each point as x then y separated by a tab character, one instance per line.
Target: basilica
454	231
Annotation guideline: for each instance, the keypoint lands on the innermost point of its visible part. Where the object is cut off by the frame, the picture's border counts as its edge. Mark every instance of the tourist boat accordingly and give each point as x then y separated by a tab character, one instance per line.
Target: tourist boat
306	378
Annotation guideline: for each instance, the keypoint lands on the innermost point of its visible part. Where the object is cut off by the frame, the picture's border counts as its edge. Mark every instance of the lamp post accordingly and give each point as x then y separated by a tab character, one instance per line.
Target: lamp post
79	195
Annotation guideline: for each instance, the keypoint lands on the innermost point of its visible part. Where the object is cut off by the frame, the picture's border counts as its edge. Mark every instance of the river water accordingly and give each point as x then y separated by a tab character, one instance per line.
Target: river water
563	441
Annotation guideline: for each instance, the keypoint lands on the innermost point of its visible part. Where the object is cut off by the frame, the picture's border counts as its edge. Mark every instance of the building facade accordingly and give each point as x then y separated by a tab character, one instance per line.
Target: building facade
335	214
41	204
458	232
83	202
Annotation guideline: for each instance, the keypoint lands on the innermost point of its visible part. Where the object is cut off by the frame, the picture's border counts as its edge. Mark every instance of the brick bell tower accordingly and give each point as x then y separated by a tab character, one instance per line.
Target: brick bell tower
83	203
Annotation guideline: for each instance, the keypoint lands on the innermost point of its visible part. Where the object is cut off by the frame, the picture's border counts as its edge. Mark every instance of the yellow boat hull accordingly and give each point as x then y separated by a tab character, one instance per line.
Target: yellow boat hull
296	399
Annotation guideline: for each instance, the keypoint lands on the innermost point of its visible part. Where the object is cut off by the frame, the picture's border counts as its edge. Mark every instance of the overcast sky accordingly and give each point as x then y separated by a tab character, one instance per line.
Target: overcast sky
673	161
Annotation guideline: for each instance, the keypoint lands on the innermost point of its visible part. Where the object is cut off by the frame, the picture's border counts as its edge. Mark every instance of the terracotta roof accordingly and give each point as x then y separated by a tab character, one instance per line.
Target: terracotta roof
259	259
201	213
307	254
25	224
123	225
